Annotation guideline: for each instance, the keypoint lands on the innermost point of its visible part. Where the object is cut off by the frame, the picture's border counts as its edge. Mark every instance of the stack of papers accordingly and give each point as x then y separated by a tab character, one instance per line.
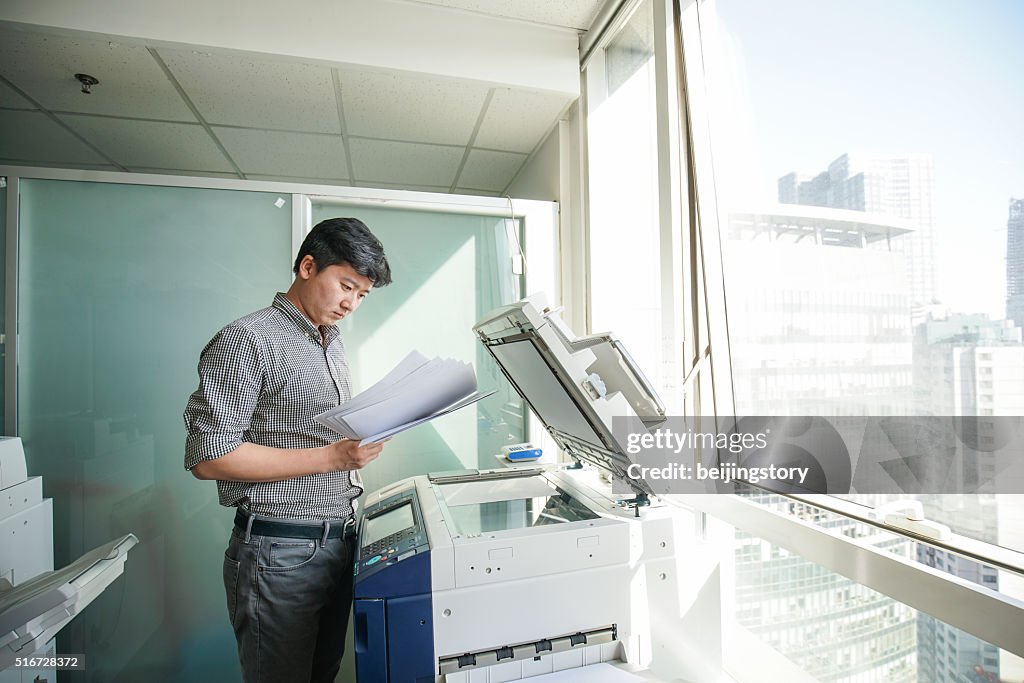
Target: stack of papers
417	390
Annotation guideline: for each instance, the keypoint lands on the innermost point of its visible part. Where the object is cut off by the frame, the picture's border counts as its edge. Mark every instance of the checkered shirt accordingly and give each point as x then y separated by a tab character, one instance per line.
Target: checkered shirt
262	379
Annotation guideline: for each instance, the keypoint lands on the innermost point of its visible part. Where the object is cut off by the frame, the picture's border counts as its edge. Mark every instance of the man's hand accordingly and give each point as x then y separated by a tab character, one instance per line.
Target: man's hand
349	455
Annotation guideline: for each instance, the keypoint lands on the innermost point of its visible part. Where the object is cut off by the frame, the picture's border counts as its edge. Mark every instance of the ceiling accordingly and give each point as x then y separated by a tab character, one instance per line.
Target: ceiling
190	110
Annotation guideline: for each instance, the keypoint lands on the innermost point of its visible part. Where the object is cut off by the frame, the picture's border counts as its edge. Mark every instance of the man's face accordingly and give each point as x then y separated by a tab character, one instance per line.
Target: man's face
327	295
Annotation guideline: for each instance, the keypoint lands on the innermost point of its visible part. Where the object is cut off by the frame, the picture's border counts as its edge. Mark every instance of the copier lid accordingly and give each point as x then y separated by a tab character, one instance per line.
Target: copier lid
553	371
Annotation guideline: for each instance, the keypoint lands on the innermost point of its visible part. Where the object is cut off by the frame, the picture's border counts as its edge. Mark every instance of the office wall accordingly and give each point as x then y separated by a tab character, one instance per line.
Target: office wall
555	174
540	178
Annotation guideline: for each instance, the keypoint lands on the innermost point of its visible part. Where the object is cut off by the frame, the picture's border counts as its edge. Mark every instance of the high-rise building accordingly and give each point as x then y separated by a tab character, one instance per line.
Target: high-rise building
834	629
821	329
822	325
972	366
886	184
968	365
1015	263
946	654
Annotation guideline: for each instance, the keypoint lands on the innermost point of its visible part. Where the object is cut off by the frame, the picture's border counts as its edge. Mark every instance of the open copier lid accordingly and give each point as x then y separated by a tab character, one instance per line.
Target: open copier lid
575	385
32	612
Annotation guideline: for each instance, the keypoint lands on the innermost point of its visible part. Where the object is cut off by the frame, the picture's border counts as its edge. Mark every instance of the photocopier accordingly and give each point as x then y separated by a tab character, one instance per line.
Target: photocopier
493	575
36	601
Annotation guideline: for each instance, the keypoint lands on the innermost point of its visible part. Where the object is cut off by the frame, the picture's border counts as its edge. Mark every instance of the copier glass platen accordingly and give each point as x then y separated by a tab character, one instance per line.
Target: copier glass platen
512	573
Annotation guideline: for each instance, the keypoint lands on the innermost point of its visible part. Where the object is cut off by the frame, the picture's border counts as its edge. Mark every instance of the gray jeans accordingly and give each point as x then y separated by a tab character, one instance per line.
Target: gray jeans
288	602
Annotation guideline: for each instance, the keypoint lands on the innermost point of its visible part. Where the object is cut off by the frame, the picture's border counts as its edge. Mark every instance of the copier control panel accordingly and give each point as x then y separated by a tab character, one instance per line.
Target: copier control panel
391	530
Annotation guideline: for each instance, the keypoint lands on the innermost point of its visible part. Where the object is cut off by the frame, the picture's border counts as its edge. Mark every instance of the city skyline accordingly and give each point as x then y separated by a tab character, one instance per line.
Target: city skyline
806	87
886	185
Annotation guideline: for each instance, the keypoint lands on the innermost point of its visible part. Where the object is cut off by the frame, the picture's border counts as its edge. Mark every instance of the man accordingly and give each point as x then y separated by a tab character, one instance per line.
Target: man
262	379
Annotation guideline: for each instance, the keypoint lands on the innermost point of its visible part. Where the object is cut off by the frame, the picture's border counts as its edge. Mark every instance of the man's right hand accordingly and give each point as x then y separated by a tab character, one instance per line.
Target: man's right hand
349	455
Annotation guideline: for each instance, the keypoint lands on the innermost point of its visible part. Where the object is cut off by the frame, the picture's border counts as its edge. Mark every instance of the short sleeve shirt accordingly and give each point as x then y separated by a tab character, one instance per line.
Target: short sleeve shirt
262	379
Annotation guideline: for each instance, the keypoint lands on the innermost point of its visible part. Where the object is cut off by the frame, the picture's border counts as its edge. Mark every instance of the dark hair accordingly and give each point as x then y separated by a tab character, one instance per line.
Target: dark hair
336	241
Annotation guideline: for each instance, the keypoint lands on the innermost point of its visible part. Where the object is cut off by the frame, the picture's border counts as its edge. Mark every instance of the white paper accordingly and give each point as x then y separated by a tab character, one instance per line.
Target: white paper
387	434
415	391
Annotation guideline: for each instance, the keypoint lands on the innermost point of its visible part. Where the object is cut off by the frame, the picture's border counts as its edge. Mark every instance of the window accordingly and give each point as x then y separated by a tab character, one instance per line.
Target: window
859	175
625	235
854	173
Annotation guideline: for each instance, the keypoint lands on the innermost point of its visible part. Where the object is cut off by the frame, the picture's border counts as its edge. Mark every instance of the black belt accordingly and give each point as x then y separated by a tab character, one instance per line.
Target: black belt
265	527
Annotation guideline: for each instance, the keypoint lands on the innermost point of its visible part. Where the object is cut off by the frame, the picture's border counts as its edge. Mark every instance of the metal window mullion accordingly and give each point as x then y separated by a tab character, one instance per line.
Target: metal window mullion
991	554
697	277
991	616
704	212
11	307
612	16
670	201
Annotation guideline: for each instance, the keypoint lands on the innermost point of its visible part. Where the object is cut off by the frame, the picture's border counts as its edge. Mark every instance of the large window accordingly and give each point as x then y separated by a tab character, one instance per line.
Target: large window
864	207
627	205
873	239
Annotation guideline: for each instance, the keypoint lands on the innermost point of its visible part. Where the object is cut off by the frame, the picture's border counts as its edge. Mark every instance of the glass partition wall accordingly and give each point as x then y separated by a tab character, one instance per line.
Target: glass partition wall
121	281
449	270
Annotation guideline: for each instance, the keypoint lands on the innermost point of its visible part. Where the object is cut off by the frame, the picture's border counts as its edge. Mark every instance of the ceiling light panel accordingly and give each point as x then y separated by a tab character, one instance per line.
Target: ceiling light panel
517	120
32	136
413	108
237	90
296	155
404	162
151	144
131	83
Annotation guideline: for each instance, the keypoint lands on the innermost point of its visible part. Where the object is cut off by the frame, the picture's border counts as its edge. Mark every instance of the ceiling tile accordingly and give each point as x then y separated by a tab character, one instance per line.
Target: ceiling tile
411	108
62	164
32	136
237	90
479	193
131	83
299	155
436	189
577	14
486	170
186	172
404	162
151	144
302	180
516	120
10	99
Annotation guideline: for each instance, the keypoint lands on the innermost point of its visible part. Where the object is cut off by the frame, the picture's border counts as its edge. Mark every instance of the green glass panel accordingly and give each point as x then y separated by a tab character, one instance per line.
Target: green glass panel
120	287
449	270
3	299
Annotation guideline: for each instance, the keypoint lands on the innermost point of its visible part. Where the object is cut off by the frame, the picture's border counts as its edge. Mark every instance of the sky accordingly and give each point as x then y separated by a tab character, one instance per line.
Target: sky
819	78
